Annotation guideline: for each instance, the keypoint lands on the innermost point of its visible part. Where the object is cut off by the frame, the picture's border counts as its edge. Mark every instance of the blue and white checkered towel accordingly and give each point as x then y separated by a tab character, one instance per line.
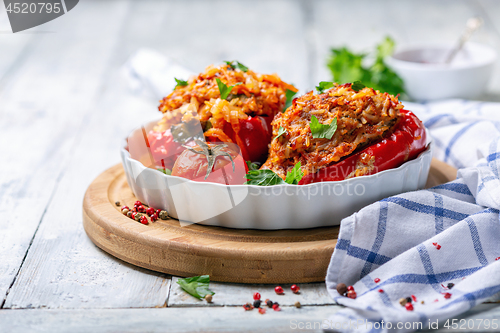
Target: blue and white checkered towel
419	242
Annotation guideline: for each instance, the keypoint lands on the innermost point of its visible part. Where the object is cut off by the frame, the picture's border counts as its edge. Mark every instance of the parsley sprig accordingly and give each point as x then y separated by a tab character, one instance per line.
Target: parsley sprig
180	83
323	85
320	131
236	64
289	98
196	286
281	131
357	86
267	177
224	90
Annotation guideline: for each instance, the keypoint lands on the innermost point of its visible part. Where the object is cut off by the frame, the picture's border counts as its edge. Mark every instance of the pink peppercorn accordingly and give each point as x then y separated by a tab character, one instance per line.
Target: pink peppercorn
409	306
377	280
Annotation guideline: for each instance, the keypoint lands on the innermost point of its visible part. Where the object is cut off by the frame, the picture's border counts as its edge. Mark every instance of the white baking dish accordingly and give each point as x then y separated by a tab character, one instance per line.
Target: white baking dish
264	207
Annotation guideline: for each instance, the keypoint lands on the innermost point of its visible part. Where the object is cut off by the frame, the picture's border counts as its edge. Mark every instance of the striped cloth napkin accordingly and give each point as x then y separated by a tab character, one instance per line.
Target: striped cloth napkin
439	247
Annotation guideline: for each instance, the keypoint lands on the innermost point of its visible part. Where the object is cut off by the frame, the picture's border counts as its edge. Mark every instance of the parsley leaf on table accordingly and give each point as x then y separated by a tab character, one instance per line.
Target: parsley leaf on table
180	83
347	66
320	131
196	286
224	90
323	85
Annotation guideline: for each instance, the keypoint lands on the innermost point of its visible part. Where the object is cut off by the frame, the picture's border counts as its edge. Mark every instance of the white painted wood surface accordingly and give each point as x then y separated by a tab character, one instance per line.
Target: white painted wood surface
64	110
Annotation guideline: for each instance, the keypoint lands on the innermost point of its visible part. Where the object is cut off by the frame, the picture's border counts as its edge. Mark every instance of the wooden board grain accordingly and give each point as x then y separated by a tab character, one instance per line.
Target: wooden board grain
227	255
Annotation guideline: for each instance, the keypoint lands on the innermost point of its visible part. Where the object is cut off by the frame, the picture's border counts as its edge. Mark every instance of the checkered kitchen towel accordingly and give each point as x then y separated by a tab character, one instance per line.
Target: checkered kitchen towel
419	242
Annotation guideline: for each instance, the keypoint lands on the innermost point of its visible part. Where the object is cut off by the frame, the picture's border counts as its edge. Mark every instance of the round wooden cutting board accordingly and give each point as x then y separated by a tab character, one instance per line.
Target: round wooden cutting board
228	255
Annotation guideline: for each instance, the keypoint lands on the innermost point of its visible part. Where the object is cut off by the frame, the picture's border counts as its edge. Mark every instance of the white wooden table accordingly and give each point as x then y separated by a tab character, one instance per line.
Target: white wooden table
64	109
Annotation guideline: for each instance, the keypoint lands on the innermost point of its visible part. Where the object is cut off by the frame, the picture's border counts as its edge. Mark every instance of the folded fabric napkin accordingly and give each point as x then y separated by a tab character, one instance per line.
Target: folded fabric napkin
440	247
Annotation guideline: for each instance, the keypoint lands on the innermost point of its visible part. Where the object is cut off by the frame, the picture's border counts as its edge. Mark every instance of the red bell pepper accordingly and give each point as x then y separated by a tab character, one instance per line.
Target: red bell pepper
405	143
253	137
164	149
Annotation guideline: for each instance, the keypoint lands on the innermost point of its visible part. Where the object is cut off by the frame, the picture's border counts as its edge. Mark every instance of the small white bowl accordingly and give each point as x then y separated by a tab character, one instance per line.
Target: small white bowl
264	207
427	76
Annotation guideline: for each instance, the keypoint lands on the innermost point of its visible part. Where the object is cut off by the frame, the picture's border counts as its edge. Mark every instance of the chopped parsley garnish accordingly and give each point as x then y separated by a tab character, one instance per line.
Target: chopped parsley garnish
281	131
165	171
252	166
289	98
196	286
238	65
180	83
323	85
293	177
224	90
267	177
357	86
320	131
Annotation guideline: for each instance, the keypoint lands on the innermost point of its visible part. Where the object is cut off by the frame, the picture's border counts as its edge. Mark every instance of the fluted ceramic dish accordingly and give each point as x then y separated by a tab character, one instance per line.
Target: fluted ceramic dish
263	207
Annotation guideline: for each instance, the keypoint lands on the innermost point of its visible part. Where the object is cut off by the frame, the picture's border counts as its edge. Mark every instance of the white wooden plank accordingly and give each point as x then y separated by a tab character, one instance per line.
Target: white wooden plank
234	294
41	110
216	319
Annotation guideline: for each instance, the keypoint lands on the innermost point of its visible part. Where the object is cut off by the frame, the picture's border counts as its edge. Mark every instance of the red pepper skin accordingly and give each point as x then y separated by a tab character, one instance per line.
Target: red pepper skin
405	143
253	137
194	166
164	149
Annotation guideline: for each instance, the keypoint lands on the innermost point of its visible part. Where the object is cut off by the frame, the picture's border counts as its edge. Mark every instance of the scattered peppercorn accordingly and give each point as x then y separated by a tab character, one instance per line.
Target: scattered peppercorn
150	211
125	207
141	209
350	288
269	303
414	298
129	214
497	258
422	302
154	217
377	280
117	203
295	288
158	212
208	298
125	211
134	214
351	294
278	290
256	296
380	290
450	285
403	301
163	215
297	304
436	245
256	303
341	288
276	307
143	219
248	307
138	203
138	217
409	306
447	295
262	310
408	299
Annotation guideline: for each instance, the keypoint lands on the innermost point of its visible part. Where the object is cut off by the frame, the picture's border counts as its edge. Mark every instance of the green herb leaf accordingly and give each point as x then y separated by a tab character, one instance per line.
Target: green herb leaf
346	66
166	171
238	65
180	83
196	286
252	166
264	177
320	131
225	90
281	131
289	98
323	85
357	86
293	177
